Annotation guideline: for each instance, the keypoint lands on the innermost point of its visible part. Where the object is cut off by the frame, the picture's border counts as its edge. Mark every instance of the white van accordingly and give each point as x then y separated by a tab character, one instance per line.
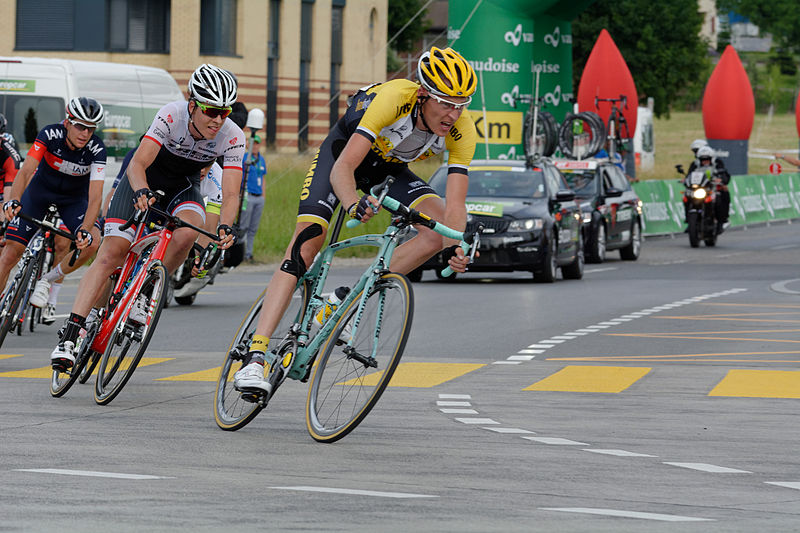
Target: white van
34	93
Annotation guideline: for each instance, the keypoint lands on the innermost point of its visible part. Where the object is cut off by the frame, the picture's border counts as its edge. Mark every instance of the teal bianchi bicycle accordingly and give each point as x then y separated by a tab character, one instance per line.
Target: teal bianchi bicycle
352	356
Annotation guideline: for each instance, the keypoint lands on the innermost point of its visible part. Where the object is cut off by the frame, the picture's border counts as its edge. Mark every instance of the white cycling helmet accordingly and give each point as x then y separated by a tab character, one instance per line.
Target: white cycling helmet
212	85
86	111
697	144
705	152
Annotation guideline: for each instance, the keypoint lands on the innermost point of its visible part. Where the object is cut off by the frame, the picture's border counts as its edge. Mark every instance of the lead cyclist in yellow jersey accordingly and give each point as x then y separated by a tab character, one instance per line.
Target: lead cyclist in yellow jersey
385	127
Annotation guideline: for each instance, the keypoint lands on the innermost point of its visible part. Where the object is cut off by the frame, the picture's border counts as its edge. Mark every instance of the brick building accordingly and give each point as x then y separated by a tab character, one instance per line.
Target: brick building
295	59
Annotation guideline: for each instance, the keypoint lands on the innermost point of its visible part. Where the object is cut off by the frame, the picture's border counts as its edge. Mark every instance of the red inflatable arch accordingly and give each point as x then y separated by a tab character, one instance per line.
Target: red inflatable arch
606	75
728	103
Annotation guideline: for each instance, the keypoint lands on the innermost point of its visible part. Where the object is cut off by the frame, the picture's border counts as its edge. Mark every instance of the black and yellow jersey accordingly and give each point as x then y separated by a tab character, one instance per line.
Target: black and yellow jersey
385	114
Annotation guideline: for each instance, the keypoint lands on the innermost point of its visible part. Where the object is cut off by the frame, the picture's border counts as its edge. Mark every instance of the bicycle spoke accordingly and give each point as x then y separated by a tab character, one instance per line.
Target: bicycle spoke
350	377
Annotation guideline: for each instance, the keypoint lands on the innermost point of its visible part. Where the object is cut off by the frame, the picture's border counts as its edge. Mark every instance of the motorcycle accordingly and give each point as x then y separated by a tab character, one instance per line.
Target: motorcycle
185	286
699	196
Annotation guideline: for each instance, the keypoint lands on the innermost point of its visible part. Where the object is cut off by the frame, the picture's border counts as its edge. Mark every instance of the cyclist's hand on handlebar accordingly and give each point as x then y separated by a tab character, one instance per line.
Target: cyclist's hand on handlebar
143	198
364	209
11	208
226	236
457	260
83	238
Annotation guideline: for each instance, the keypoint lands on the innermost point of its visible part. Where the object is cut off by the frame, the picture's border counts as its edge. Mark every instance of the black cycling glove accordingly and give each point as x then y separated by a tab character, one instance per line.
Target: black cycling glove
358	209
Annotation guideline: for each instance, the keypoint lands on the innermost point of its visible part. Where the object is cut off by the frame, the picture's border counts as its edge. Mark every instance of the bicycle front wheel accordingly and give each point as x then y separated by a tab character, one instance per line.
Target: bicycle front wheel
12	300
127	344
231	411
61	382
349	377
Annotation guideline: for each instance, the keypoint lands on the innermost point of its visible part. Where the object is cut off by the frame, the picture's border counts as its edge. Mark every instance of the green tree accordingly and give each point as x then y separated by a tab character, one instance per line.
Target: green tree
660	42
776	17
400	12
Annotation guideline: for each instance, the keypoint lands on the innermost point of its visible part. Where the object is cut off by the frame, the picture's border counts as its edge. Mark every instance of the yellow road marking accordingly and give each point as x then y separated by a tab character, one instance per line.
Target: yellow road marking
718	332
662	357
775	306
591	379
655	336
10	355
46	372
421	375
212	374
759	384
728	319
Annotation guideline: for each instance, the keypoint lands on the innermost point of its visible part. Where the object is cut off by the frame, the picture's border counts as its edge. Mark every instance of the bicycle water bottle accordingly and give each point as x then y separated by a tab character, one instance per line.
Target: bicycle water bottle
331	304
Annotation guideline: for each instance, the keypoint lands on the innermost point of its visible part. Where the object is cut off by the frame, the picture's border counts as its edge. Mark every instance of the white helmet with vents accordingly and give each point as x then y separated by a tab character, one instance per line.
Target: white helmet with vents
213	86
86	111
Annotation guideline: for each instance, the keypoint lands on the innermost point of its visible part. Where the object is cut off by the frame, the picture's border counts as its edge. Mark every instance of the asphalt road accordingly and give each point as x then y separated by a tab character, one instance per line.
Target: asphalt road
656	395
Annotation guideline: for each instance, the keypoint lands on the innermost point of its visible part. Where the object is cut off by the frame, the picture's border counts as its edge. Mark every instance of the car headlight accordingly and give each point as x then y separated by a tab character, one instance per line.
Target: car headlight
526	224
699	193
587	217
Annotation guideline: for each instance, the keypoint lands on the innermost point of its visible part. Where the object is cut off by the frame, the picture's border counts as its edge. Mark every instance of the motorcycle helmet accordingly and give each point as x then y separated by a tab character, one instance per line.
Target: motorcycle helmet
705	152
697	144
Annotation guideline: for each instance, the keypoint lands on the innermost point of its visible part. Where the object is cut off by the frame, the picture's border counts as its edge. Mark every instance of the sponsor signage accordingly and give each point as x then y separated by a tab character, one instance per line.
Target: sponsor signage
18	86
507	49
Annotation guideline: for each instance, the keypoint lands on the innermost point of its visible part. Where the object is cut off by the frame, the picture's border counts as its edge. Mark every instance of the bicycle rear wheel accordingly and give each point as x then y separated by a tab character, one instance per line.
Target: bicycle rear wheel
349	378
61	382
231	411
128	342
15	294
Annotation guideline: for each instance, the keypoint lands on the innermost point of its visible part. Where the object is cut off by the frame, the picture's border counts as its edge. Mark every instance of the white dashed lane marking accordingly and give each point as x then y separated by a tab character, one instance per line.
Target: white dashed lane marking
704	467
627	514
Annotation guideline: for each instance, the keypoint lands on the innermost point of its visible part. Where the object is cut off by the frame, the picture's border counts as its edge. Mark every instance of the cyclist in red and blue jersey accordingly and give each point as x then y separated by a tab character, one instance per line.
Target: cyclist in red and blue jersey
184	138
65	166
9	163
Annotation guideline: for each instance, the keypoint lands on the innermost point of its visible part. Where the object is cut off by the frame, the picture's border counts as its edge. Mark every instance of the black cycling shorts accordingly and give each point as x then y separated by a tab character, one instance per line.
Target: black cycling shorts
122	207
35	201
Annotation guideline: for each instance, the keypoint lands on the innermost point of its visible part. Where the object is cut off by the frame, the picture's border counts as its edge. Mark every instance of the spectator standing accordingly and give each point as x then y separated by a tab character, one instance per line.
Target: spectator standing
256	168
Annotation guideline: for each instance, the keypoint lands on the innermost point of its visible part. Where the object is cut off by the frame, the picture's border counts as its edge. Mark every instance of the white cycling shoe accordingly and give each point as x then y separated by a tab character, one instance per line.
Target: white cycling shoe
41	292
252	376
63	357
138	312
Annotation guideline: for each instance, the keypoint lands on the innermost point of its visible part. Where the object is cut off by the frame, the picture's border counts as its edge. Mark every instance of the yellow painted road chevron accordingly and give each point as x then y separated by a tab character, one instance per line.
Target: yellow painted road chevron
609	379
46	372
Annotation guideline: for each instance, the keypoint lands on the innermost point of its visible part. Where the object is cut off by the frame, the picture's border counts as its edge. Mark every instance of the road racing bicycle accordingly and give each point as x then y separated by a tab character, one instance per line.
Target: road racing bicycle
351	358
114	342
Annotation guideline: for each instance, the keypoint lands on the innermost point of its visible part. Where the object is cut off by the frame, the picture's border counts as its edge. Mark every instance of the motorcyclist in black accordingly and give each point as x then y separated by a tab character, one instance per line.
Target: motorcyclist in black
706	158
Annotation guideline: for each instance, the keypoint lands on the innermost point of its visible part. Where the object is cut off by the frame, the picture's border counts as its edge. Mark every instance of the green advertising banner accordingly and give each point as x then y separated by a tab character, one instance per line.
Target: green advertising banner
754	199
122	126
506	48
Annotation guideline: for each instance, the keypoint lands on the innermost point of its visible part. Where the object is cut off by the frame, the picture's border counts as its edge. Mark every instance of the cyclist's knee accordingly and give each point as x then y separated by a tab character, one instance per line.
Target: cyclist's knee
11	254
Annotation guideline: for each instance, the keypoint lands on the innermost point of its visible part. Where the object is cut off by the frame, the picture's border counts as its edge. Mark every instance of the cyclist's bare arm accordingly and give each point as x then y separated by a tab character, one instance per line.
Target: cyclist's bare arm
23	178
343	178
231	183
142	159
455	210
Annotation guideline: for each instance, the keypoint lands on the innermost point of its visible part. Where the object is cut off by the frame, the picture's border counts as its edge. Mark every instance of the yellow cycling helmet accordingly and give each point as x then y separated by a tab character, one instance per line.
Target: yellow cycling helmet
446	73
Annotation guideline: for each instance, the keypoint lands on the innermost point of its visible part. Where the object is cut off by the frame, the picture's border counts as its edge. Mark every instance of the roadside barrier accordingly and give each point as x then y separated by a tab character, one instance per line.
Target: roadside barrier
754	199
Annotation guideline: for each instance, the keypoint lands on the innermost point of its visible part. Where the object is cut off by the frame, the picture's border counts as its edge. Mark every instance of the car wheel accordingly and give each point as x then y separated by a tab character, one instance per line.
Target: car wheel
549	267
632	251
574	270
597	248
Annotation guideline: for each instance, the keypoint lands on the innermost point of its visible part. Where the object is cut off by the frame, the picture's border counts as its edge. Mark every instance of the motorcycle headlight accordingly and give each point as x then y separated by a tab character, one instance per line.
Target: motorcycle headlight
526	224
699	194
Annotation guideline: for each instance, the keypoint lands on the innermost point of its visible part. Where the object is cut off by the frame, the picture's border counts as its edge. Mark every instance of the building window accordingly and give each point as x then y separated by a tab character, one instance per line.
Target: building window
139	25
93	25
306	17
337	14
273	53
218	27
